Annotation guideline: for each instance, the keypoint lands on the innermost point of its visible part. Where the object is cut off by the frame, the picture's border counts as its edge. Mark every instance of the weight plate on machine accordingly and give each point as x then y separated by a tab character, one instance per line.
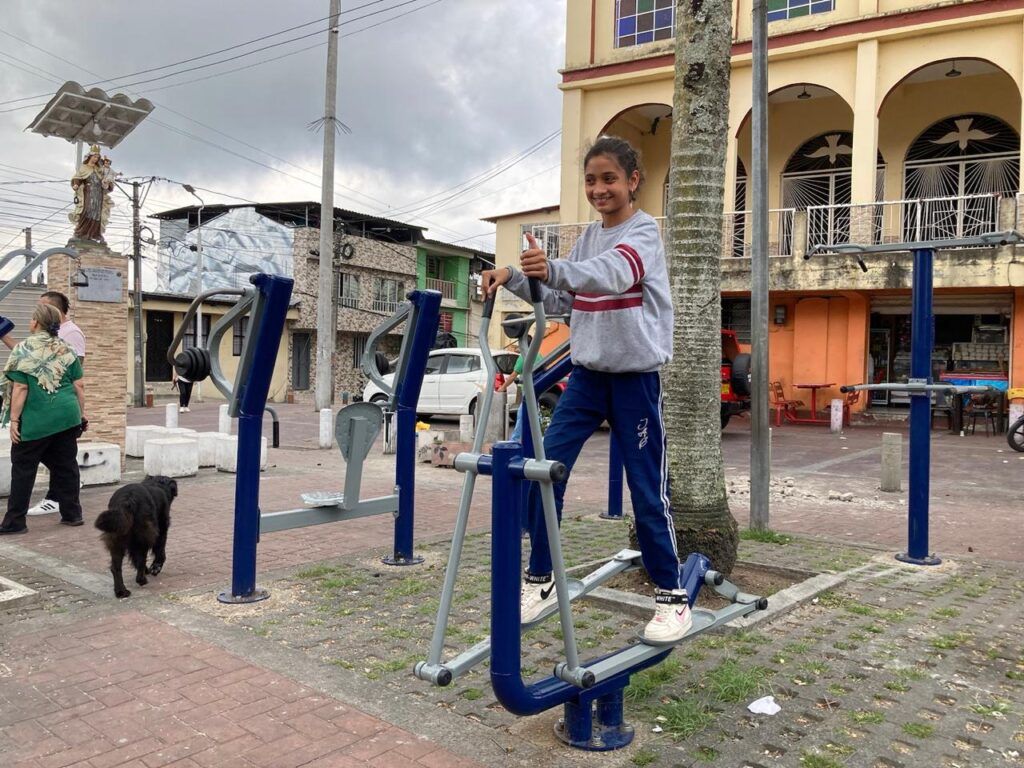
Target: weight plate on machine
374	418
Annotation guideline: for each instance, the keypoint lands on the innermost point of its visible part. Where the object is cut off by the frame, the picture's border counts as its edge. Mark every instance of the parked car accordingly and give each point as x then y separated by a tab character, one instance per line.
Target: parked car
735	378
452	383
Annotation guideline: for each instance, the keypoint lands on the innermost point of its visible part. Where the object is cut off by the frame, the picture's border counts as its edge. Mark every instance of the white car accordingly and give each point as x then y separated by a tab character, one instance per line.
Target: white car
454	380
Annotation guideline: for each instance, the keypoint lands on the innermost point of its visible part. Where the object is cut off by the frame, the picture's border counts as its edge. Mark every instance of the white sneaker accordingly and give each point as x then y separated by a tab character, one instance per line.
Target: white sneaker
535	599
45	507
672	619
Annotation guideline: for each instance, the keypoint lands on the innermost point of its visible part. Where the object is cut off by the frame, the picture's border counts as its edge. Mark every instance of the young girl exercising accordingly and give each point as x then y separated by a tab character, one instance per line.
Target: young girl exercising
615	281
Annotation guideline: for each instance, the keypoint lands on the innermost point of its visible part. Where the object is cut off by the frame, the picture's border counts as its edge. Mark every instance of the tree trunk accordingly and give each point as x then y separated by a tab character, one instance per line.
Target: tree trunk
700	119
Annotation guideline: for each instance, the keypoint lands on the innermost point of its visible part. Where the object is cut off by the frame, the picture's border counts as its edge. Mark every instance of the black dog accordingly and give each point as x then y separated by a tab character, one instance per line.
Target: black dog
136	520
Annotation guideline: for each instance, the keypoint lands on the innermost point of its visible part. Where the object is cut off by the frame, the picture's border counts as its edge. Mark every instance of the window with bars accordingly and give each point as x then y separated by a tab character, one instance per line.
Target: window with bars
358	348
546	236
386	294
736	317
779	10
348	290
189	340
643	21
434	266
238	333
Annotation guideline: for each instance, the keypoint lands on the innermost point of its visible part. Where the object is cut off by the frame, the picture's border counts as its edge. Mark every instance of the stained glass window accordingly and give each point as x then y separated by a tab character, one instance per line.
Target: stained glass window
643	21
779	10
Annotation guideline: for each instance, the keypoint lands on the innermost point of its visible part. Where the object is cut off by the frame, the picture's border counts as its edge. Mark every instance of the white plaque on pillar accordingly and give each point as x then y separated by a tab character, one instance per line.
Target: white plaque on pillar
104	284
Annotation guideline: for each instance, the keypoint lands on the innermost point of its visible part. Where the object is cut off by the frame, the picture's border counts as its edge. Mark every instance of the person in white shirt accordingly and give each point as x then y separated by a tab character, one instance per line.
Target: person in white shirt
71	335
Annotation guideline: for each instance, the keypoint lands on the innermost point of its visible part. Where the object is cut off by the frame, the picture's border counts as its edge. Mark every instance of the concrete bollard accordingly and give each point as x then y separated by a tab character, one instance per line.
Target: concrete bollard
171	415
466	428
497	421
326	427
1016	411
836	424
892	461
223	420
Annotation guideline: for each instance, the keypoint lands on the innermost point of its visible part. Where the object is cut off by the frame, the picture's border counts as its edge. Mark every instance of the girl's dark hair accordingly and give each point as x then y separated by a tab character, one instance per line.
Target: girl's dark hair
624	154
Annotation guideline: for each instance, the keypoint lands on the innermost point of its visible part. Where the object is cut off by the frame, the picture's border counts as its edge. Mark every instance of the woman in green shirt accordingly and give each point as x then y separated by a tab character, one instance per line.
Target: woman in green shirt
44	403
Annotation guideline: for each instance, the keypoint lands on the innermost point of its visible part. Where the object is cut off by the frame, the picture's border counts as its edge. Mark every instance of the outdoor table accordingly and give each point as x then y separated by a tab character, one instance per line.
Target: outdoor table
813	419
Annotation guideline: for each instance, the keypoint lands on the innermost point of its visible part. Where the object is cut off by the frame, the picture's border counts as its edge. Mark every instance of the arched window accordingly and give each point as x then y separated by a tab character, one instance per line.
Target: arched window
957	168
818	179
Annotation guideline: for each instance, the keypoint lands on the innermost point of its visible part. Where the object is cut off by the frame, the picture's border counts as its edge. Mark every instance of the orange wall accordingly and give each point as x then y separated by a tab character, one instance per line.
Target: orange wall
1017	332
823	341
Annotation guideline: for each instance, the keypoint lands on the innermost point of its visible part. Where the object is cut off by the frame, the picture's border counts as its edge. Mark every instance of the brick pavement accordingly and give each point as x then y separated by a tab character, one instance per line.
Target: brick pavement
130	691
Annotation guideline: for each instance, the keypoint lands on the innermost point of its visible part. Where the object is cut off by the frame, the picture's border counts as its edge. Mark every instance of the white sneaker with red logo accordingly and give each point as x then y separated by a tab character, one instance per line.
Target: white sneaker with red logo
672	619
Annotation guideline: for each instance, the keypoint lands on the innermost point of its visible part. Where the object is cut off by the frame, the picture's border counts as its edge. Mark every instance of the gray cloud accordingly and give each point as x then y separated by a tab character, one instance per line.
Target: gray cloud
432	98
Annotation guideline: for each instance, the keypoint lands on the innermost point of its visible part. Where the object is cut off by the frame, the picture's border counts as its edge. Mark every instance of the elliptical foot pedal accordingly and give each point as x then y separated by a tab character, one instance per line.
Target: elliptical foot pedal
576	589
323	499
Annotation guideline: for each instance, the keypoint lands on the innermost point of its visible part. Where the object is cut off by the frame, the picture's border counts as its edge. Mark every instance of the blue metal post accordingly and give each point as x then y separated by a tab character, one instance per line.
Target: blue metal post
427	312
921	342
614	511
252	399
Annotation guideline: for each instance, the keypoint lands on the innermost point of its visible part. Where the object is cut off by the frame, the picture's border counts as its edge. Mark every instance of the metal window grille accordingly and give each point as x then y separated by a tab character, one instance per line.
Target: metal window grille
386	295
358	348
238	333
190	335
643	21
348	290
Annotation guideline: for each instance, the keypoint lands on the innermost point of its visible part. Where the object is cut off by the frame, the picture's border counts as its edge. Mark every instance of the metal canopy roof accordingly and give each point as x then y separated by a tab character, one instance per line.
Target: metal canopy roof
91	117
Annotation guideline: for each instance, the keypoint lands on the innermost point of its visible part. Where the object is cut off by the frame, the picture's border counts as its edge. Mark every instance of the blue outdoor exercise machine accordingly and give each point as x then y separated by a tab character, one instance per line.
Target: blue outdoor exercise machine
919	385
356	425
33	260
592	691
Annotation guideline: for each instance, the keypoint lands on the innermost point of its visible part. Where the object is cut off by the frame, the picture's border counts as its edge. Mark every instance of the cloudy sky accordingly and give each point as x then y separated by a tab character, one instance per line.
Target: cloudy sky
437	93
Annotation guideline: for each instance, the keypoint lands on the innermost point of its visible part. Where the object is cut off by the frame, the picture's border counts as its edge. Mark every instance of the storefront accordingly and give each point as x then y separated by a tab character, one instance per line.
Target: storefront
972	342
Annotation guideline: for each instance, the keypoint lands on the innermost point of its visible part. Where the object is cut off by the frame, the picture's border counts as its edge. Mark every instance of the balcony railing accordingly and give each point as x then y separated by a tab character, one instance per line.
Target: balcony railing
903	221
387	307
445	287
737	233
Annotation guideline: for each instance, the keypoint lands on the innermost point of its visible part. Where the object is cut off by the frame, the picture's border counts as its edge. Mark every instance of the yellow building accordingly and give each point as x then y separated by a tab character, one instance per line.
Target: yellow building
888	120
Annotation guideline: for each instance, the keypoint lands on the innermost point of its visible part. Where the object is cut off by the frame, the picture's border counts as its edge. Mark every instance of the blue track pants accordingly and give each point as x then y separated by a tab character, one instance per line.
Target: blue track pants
632	404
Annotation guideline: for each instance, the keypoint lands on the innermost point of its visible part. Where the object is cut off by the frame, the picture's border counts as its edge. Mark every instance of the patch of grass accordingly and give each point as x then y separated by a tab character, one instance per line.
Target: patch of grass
797	648
731	682
815	667
843	645
830	599
644	757
343	663
765	537
472	694
314	622
998	709
896	685
918	730
379	669
314	572
948	642
685	717
643	684
398	633
407	587
600	615
1015	675
842	750
340	582
707	754
875	629
837	690
867	717
859	609
814	760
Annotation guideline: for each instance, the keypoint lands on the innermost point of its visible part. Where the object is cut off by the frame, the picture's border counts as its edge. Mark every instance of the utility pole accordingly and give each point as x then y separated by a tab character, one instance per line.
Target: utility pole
325	330
140	384
760	449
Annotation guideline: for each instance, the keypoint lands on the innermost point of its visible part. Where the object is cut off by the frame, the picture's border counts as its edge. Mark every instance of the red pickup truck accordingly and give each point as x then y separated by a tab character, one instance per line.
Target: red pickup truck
735	378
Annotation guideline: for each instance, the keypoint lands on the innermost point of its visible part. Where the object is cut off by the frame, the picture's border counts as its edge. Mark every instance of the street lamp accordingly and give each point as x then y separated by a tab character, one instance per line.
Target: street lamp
199	288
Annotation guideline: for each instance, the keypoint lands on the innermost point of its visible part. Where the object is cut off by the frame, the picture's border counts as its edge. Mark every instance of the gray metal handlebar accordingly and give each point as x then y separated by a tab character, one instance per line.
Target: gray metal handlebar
191	312
368	362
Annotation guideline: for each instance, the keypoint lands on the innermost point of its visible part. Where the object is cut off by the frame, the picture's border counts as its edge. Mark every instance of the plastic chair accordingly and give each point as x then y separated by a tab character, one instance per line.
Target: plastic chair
942	405
781	404
852	398
983	407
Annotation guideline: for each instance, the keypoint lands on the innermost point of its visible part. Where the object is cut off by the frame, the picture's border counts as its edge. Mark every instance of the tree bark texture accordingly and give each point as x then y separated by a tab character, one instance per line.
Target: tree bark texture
700	118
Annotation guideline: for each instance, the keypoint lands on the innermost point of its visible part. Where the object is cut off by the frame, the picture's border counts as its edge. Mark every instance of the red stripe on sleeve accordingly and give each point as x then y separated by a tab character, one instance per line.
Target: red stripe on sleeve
636	256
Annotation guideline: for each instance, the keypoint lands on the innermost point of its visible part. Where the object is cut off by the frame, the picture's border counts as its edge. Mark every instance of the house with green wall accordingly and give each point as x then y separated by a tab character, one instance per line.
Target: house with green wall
448	269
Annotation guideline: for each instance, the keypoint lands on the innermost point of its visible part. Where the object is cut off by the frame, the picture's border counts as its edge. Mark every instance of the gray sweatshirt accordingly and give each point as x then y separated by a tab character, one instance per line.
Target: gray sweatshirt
616	283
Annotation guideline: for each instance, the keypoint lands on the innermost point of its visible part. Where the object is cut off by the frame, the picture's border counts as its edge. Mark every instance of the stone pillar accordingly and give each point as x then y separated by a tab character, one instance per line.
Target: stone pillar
105	325
892	461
